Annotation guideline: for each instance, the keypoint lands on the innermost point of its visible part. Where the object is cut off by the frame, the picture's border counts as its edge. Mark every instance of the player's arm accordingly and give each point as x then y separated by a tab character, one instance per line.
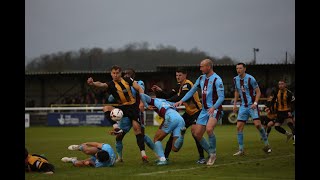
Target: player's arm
94	144
96	83
220	92
256	88
235	99
189	94
185	90
136	86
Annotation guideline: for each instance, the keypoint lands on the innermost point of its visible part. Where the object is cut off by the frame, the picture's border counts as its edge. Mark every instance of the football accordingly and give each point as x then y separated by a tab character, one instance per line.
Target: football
116	114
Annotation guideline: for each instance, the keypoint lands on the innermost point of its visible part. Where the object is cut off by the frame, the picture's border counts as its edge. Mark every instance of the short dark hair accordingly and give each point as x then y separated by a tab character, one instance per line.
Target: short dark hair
131	72
116	67
181	70
103	156
241	63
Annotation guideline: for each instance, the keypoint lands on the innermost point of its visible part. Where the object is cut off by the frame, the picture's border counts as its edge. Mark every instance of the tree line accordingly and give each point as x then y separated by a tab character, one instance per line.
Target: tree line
135	55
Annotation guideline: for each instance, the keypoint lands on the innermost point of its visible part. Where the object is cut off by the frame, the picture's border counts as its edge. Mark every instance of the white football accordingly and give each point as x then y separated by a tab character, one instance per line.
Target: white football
116	114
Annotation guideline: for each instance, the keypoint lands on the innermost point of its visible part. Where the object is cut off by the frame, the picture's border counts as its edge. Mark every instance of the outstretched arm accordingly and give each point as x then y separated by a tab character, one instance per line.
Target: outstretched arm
96	83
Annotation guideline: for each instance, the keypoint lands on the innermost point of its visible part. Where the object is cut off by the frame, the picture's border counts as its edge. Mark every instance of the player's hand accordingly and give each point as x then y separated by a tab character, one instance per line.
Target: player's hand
289	114
267	110
177	104
150	107
141	107
253	106
235	109
211	110
90	81
116	132
156	88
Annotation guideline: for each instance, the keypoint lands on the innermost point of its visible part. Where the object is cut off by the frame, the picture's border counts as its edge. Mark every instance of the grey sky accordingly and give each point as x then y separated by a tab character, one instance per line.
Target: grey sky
219	27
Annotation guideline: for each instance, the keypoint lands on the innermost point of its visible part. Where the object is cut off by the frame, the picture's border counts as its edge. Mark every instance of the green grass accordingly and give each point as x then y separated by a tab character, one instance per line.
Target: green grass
53	142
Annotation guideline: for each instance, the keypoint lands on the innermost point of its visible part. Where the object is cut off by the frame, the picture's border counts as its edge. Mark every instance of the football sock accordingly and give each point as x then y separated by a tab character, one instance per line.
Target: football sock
204	144
212	143
240	140
149	142
158	149
168	147
179	142
140	141
264	136
280	129
199	147
119	147
291	126
268	130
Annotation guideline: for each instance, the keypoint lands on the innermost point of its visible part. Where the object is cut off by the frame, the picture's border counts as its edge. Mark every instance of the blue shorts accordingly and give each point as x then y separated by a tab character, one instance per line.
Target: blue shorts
173	122
204	116
125	124
245	112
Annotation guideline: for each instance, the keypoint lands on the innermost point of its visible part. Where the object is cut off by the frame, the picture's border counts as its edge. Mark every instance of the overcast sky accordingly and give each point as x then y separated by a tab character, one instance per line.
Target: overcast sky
219	27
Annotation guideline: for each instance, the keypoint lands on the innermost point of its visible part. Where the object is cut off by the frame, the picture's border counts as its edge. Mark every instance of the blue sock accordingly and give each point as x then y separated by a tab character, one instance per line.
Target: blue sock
263	136
179	142
81	147
119	148
204	144
212	143
158	149
240	140
149	142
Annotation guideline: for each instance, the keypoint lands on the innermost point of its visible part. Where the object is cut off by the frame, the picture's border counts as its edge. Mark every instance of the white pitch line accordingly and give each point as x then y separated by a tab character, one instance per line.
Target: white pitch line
227	164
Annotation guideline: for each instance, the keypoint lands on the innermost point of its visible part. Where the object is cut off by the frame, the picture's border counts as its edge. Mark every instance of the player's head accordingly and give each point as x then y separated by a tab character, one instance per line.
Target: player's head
282	84
116	72
102	156
130	73
206	66
241	68
181	75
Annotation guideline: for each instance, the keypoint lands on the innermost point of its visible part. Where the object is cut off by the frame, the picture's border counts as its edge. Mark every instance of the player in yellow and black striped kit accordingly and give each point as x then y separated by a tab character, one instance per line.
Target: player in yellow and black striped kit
284	100
37	163
120	88
193	107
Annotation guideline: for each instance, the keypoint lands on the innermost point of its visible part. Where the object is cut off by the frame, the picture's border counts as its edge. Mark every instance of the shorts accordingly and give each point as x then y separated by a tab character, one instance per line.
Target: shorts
173	122
245	112
190	119
130	111
282	115
204	116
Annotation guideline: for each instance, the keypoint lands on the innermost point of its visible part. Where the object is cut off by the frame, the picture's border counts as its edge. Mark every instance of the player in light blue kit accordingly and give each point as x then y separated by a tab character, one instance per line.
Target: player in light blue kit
102	155
124	125
212	97
247	87
172	123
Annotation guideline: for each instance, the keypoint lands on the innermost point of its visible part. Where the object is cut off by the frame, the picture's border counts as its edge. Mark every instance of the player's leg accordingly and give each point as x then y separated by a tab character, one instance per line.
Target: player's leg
243	116
281	116
212	122
158	149
199	128
178	131
168	147
201	159
254	113
147	139
132	112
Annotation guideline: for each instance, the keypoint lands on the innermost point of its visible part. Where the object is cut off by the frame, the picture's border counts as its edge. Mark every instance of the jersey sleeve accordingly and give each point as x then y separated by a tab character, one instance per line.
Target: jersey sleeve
129	80
220	92
254	83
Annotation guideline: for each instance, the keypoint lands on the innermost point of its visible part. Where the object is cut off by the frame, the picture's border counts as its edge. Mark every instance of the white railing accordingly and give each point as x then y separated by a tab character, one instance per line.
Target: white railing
225	107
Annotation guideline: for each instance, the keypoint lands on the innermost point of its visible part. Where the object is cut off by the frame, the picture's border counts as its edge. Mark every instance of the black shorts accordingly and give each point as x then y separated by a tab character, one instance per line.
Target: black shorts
265	120
281	116
130	111
46	167
190	119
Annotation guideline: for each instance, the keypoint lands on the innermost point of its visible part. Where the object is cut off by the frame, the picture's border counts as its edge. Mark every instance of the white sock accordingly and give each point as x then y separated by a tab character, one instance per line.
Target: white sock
143	153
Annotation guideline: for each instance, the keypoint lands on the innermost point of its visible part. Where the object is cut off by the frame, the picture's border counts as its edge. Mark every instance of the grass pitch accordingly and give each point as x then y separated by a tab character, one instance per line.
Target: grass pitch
53	143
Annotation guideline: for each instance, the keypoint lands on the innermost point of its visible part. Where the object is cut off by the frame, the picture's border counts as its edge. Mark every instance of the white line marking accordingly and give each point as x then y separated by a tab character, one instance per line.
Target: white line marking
227	164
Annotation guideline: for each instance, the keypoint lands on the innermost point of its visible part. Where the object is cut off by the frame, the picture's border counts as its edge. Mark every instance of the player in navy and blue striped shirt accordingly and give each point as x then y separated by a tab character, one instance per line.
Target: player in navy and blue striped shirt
212	89
247	87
